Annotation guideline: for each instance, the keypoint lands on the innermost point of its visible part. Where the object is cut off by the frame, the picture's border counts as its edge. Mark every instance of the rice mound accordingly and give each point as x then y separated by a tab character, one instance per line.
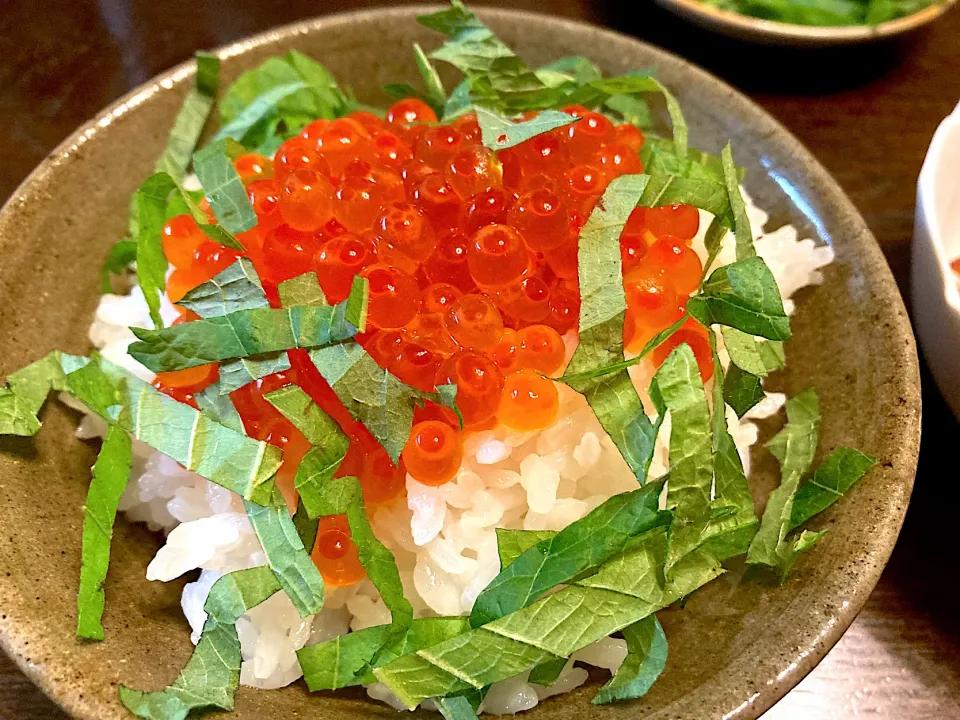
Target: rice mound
443	537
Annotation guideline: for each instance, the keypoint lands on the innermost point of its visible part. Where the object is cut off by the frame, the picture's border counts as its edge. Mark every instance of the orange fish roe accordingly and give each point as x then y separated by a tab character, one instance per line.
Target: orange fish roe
471	256
335	554
433	452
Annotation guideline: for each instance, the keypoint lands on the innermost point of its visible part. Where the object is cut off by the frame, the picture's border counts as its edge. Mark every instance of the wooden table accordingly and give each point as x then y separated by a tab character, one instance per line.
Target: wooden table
868	115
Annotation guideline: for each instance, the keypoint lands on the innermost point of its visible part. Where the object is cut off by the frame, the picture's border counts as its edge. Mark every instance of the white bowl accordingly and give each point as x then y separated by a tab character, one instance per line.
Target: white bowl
936	241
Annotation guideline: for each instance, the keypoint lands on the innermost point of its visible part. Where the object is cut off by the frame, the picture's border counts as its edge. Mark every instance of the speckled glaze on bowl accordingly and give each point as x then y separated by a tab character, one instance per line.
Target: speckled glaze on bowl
738	645
770	32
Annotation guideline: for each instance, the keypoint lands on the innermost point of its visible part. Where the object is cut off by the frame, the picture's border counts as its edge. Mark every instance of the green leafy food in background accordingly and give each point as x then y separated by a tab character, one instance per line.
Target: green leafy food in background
825	13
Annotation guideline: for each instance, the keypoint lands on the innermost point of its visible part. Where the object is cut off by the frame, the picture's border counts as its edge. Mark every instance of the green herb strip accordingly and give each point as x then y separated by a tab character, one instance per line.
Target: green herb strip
344	661
500	133
646	658
832	479
339	496
730	535
373	396
741	390
288	558
754	355
151	204
241	334
122	255
580	546
511	544
110	475
741	223
223	188
221	455
600	91
679	384
329	443
263	106
603	302
436	95
234	288
794	446
625	590
27	390
499	77
615	402
193	115
255	113
743	295
212	674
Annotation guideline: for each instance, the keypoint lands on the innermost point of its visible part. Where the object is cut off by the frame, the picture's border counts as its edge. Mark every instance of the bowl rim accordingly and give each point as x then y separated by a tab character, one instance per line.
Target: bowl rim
803	35
947	132
824	635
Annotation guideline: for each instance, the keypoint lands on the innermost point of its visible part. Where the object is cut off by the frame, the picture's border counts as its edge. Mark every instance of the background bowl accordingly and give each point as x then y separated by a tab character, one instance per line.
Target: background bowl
936	241
736	647
769	32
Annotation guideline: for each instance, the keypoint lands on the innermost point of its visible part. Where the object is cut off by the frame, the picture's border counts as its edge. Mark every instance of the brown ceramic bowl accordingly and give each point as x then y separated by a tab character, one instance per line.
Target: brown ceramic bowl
770	32
735	648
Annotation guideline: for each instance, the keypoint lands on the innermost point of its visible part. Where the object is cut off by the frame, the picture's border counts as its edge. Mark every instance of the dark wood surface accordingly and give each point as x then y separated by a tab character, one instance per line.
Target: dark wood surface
867	114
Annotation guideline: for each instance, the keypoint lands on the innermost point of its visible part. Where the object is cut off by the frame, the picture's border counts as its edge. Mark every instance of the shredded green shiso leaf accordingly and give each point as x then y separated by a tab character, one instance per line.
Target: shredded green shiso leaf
557	592
826	13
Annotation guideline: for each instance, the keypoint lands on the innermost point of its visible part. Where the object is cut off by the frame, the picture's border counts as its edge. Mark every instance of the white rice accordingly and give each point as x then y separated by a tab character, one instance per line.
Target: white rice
443	537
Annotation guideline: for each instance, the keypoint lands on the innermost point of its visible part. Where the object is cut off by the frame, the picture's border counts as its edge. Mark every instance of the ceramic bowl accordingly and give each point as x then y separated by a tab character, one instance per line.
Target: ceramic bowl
736	647
769	32
935	287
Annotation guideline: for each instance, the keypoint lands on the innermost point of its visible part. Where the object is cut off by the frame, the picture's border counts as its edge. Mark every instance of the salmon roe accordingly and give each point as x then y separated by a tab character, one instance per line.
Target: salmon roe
335	554
471	256
529	402
433	453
